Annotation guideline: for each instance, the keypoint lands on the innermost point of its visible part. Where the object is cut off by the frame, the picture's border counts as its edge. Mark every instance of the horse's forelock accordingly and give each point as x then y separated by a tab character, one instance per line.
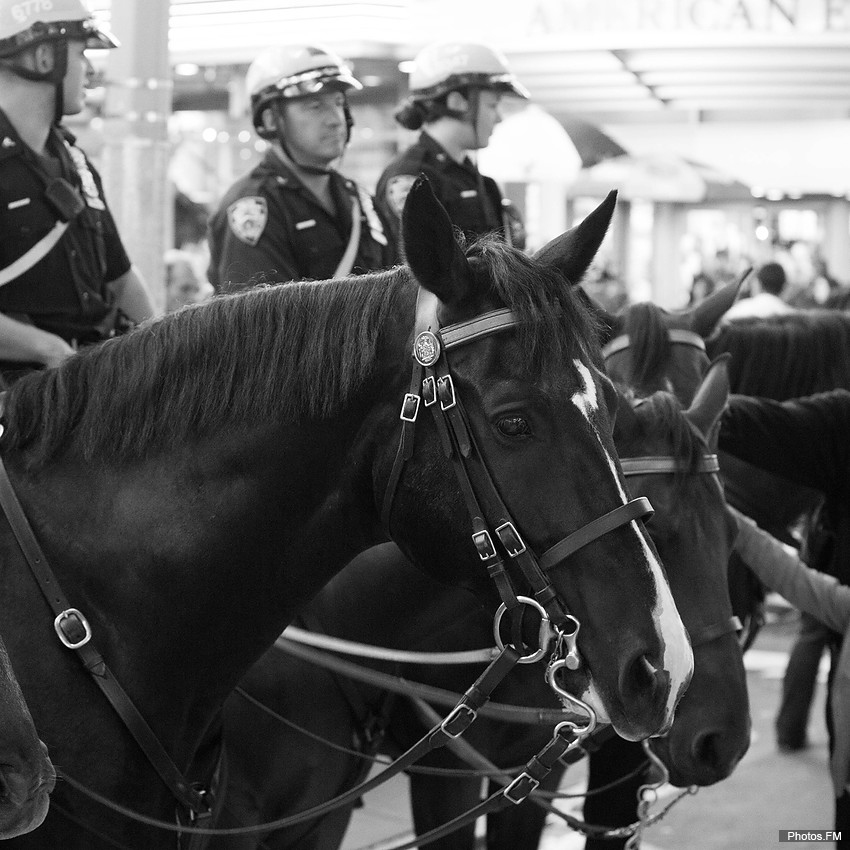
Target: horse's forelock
554	325
649	345
661	415
230	360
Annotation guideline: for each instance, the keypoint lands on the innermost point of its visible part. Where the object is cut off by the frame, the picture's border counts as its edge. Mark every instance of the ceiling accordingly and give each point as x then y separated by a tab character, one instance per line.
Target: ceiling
757	88
798	80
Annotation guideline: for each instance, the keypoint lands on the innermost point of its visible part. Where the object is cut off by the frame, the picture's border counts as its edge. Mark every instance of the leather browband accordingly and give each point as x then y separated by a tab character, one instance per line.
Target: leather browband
469	331
680	335
652	465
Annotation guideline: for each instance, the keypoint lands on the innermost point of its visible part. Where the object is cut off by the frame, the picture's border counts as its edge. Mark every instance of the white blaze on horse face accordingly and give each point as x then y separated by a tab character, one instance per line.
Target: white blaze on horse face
678	660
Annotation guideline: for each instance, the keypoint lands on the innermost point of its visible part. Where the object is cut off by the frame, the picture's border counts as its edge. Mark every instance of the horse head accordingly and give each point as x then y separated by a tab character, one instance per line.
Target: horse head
648	348
533	450
694	535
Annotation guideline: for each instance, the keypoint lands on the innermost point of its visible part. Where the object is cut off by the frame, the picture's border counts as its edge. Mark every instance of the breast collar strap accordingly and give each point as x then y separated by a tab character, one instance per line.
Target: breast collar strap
494	533
74	631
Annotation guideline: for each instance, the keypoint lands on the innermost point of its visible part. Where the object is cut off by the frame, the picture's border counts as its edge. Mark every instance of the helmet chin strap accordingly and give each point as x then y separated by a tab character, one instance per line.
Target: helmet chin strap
55	75
474	101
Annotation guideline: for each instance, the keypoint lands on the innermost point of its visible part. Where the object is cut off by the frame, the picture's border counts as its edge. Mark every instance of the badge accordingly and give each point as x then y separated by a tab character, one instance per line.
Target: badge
247	218
396	192
376	228
90	190
426	349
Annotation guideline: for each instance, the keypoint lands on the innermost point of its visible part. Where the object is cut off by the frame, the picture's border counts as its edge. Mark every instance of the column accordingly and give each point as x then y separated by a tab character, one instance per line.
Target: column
836	239
665	275
136	151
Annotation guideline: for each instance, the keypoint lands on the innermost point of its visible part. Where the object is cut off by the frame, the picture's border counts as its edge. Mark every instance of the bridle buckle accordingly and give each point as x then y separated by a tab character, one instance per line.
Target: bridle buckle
72	628
511	539
409	408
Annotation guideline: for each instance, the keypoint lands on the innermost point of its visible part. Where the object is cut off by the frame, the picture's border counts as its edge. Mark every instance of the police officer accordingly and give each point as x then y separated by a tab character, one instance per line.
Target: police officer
65	278
455	92
294	216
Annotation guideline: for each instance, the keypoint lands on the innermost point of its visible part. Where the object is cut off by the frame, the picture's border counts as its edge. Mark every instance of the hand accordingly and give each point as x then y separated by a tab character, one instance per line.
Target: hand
53	350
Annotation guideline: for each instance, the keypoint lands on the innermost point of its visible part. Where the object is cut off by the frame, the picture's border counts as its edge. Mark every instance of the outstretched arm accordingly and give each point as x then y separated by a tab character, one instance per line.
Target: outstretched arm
780	568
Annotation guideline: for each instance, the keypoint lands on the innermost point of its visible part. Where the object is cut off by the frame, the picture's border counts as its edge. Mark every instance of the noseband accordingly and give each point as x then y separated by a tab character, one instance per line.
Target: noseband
494	533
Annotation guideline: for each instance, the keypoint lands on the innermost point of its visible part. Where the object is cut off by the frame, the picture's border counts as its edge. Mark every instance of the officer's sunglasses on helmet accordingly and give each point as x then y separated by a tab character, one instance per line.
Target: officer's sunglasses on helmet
315	81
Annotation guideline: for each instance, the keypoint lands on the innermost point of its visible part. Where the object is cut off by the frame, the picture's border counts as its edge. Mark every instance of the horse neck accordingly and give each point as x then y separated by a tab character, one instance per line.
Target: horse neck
380	597
236	528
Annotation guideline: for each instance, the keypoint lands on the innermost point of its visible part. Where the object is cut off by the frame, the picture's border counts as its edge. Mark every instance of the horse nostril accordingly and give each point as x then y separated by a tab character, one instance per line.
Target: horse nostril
640	678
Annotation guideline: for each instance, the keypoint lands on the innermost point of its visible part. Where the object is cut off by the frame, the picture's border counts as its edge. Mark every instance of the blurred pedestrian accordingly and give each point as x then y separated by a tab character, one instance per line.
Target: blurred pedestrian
295	216
65	277
455	91
765	299
183	284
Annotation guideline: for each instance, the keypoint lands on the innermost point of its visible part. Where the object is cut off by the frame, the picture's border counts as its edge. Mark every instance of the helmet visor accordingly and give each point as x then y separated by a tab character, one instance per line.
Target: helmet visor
504	83
316	80
94	36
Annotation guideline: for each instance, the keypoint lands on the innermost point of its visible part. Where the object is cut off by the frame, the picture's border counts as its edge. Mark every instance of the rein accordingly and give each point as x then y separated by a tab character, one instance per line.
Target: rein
399	685
380	653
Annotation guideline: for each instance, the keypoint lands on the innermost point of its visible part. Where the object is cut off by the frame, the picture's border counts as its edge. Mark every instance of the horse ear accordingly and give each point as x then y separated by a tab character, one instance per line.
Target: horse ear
572	252
711	397
703	318
429	245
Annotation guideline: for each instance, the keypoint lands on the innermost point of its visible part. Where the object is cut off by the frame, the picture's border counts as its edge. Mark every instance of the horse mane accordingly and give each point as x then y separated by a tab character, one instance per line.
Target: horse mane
649	344
289	351
788	355
231	360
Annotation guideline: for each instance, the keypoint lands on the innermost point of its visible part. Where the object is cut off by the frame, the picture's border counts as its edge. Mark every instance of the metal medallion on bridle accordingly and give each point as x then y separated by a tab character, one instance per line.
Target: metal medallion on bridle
426	349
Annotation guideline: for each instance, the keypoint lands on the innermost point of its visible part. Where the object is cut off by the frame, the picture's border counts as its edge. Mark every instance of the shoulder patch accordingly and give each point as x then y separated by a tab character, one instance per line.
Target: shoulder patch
247	218
397	191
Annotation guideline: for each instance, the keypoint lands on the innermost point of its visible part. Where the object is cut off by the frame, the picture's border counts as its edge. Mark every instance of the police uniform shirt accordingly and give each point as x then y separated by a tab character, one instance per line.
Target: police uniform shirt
65	292
472	201
270	228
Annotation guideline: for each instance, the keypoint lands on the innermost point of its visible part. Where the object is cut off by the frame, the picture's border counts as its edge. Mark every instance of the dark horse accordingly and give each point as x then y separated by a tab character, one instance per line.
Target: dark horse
276	770
196	482
26	773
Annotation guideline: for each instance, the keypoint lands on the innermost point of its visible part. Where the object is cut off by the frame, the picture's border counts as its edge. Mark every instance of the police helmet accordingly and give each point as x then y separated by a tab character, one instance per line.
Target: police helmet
446	66
293	71
26	23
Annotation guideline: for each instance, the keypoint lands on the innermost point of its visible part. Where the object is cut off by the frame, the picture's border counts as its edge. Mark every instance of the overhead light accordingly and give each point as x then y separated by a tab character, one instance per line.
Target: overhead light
407	66
186	69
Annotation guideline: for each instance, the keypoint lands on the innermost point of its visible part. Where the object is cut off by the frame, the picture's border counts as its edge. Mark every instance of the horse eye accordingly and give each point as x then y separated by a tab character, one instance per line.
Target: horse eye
514	426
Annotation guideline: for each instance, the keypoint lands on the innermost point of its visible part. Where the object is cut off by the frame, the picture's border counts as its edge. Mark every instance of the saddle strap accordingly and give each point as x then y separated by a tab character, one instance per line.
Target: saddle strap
89	655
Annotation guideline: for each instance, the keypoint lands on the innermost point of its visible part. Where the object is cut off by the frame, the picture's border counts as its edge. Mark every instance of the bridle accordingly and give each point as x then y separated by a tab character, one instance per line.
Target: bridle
707	464
677	336
494	533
